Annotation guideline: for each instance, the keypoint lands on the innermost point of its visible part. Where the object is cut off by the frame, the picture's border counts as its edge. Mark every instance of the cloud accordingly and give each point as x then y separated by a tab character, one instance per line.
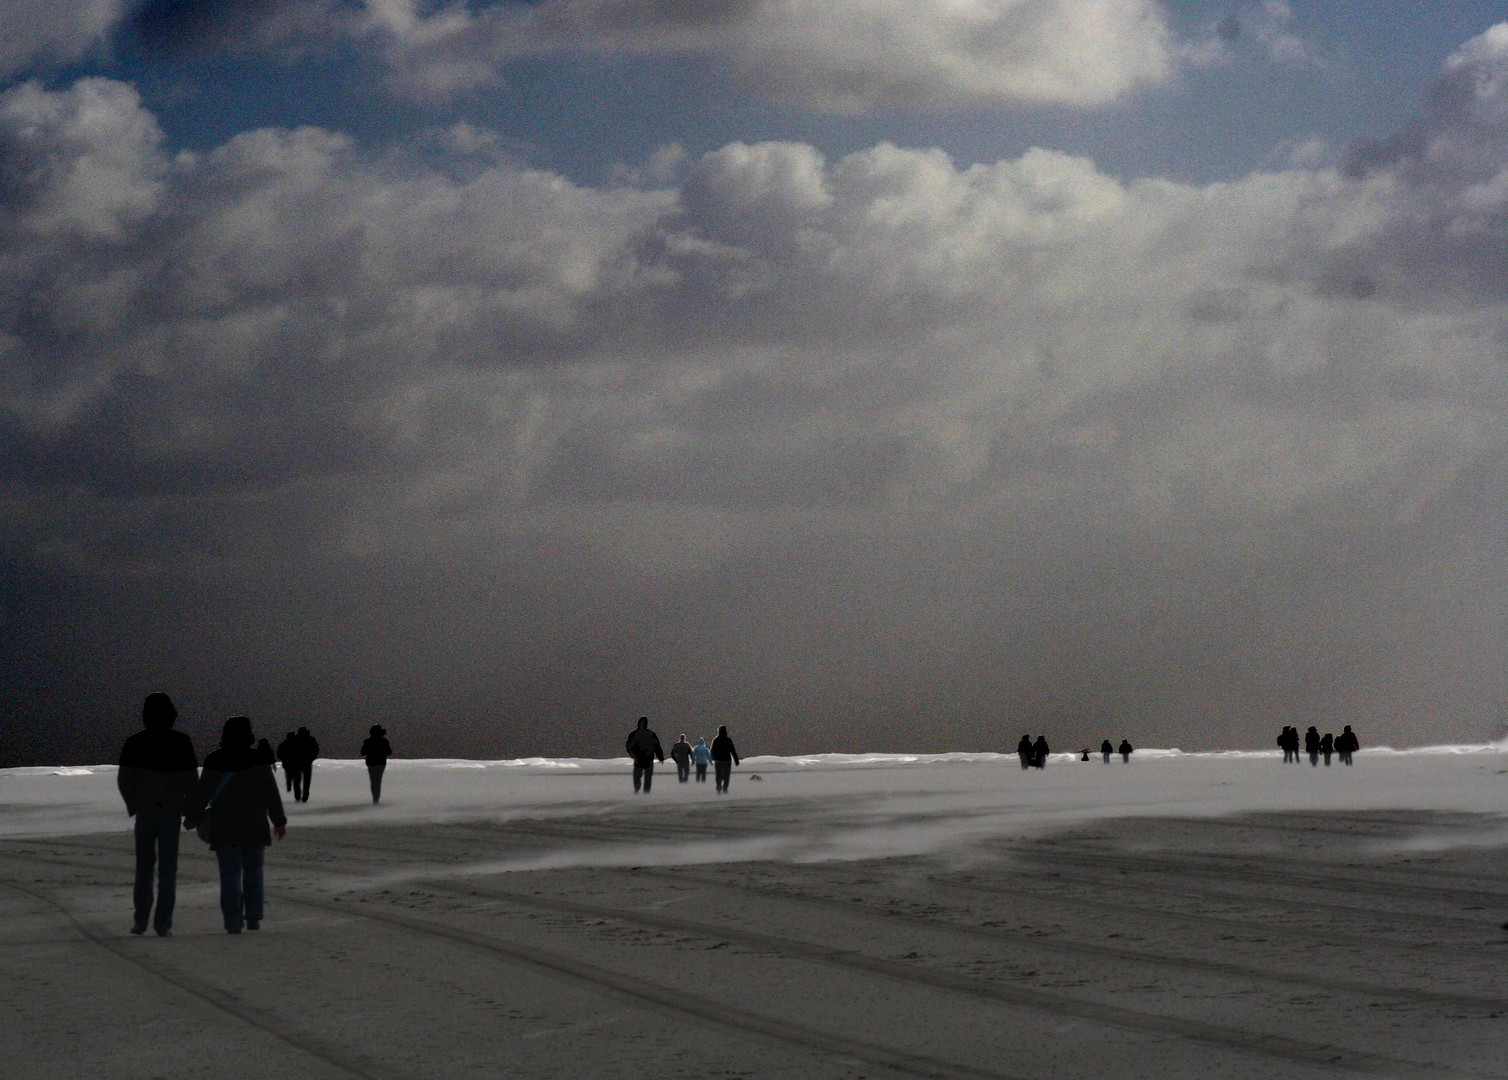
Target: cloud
39	32
855	439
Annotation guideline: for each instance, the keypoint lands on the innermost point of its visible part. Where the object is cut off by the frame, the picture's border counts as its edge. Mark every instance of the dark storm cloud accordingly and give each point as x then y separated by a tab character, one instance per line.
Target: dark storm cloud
869	451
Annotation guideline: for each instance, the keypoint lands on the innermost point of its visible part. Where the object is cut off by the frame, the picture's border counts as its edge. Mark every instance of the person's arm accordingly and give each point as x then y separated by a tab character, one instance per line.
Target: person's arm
193	809
273	802
734	752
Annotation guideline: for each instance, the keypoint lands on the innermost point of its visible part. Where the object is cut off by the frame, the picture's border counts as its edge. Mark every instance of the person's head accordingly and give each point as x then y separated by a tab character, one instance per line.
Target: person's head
157	712
237	733
289	735
303	731
722	729
643	721
683	736
700	741
378	730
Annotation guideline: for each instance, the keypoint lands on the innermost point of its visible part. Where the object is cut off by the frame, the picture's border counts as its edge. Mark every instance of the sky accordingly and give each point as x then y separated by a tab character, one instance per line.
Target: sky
887	376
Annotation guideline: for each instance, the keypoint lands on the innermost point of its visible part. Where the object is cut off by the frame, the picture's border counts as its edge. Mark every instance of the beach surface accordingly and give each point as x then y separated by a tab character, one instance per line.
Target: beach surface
885	917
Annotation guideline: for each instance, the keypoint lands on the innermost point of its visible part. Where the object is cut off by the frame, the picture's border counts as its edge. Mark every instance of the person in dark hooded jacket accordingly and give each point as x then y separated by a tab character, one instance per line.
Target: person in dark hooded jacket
1126	750
375	750
724	757
305	749
287	754
240	794
1312	744
680	753
643	745
158	771
1024	751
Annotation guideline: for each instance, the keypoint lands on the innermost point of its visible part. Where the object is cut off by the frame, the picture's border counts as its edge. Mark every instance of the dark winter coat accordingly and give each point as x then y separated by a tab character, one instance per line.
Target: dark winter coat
376	750
240	814
680	752
722	749
158	770
643	745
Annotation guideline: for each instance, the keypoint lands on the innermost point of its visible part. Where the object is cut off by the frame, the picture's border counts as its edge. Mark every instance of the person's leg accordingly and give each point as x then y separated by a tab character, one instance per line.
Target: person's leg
724	771
701	773
146	865
682	770
287	777
308	779
374	773
649	774
231	897
253	892
167	871
638	776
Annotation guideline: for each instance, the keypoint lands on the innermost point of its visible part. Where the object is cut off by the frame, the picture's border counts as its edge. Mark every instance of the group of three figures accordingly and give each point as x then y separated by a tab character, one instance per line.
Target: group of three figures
643	746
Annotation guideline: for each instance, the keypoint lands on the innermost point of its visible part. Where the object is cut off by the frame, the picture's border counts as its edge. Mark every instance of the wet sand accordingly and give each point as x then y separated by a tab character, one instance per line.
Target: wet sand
1292	945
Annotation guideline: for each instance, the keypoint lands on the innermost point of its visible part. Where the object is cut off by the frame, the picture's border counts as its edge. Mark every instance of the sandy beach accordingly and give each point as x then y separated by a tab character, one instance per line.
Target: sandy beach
1283	944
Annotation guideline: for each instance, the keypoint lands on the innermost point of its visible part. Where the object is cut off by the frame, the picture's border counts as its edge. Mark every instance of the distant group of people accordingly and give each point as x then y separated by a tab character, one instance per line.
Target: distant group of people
643	746
1032	754
1316	745
1125	751
296	753
232	803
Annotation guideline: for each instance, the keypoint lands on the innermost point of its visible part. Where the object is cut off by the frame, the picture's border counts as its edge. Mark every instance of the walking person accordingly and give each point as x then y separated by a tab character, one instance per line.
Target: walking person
701	754
1312	744
1327	747
680	753
376	750
157	776
643	746
1039	752
724	757
287	754
240	796
1106	750
308	750
1024	751
1346	744
1126	750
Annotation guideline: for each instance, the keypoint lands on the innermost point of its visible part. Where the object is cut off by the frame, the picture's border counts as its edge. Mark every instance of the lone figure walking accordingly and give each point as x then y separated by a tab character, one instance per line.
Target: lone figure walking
376	750
724	757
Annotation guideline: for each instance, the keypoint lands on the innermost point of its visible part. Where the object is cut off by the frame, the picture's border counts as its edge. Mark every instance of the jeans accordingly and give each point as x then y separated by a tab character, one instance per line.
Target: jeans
701	772
374	774
302	774
722	771
644	773
241	890
156	849
682	769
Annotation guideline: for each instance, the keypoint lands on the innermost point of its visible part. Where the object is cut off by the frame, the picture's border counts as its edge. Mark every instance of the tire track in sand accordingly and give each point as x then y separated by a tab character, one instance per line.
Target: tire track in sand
218	1000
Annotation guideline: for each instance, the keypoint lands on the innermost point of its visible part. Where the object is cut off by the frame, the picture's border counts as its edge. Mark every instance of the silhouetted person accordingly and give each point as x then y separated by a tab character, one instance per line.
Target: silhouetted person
1312	745
287	753
1289	741
724	757
1346	744
239	793
701	753
1024	751
1106	750
158	774
680	753
1125	750
1039	752
376	750
306	750
643	746
265	750
1086	754
1327	747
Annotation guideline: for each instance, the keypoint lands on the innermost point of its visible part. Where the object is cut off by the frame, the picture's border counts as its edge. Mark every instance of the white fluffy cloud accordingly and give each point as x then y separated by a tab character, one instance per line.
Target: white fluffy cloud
839	56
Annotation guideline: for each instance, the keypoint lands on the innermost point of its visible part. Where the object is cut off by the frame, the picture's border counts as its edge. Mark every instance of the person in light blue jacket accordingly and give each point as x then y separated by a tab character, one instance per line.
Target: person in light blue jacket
701	754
